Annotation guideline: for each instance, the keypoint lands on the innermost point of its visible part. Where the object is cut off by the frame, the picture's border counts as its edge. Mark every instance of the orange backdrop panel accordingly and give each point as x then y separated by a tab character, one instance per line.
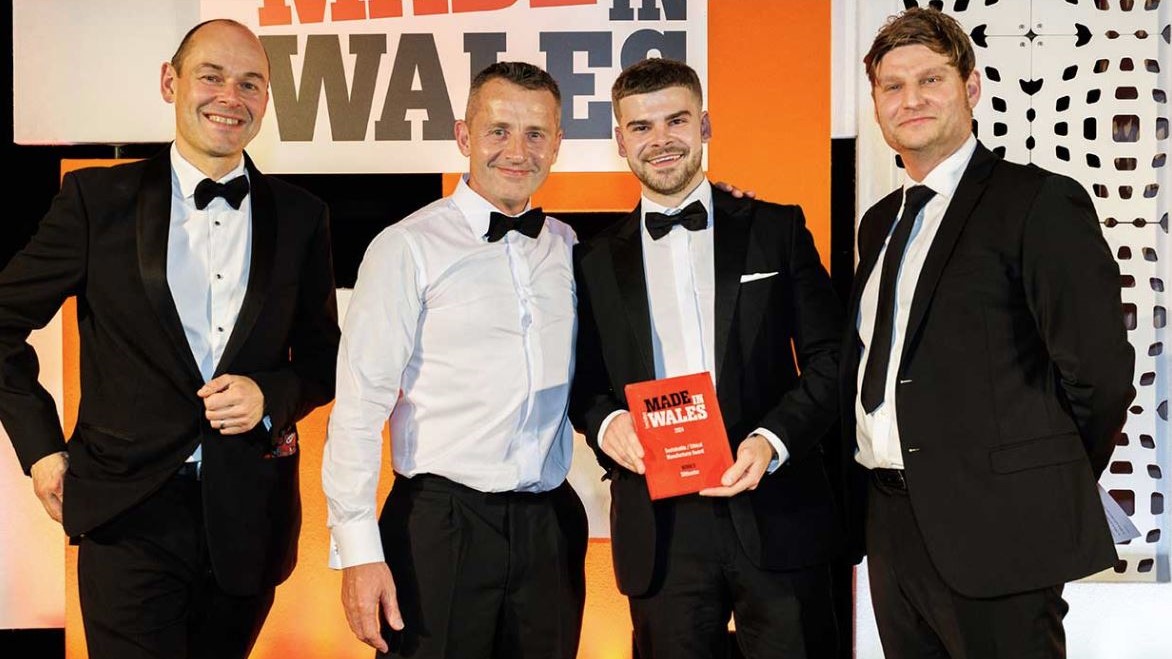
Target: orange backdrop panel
769	97
769	101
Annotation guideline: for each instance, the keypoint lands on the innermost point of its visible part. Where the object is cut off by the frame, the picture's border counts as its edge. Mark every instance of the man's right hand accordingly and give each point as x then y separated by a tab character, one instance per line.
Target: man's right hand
621	444
364	588
49	482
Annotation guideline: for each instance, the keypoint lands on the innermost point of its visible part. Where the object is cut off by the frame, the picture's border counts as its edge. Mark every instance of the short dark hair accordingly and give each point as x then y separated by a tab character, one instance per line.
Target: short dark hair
652	75
924	27
185	43
522	74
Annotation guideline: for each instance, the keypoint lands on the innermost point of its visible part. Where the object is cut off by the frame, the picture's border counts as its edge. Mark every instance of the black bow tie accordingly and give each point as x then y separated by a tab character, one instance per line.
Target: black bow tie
693	217
528	223
233	192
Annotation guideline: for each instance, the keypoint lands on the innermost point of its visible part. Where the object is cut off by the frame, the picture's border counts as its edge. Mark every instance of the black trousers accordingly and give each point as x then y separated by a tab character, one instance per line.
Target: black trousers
703	578
147	589
484	575
919	615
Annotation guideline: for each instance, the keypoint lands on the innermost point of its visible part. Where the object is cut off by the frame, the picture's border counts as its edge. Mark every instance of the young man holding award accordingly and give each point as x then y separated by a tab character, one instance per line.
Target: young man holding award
695	281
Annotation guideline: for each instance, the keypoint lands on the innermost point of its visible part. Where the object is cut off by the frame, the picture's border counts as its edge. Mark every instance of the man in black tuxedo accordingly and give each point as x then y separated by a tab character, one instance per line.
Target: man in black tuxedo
988	375
697	281
208	327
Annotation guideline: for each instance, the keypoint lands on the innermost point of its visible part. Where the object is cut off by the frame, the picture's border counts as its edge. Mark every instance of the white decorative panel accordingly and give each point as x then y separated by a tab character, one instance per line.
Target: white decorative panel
1138	474
1099	17
1097	119
1002	115
993	17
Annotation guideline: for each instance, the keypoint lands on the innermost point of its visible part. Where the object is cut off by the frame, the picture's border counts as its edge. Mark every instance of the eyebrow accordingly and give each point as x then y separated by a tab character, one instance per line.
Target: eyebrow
934	70
531	127
644	122
220	69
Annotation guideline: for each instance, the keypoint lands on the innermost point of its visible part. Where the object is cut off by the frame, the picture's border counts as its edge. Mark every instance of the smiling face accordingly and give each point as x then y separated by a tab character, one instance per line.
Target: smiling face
220	90
923	106
662	136
511	137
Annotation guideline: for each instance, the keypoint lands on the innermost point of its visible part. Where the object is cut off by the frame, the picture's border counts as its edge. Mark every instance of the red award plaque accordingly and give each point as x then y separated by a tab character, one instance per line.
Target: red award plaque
678	422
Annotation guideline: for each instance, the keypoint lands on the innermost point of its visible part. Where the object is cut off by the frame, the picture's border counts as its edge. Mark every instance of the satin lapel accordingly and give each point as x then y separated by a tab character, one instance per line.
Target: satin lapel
631	281
972	186
260	270
730	244
884	214
152	227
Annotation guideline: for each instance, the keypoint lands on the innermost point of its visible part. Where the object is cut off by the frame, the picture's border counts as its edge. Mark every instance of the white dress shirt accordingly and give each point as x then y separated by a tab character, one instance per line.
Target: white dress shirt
679	269
207	264
468	346
878	432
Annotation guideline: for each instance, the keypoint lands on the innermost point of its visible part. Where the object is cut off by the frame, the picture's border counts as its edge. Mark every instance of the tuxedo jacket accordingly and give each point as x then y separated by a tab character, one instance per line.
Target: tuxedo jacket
1014	381
104	240
790	520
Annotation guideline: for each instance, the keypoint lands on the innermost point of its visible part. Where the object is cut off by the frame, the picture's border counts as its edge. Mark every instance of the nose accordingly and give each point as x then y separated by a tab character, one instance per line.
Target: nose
230	94
515	147
912	96
660	135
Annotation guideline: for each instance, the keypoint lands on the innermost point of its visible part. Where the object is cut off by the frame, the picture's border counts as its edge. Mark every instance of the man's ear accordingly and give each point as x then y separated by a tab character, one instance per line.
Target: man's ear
463	138
167	82
972	88
618	138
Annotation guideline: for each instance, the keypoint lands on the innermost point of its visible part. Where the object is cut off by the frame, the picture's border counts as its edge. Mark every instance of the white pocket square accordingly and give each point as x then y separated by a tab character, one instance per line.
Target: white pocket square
756	275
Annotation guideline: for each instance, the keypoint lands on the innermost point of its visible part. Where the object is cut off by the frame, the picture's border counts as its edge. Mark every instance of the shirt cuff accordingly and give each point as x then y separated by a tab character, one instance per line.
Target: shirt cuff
356	543
778	447
606	424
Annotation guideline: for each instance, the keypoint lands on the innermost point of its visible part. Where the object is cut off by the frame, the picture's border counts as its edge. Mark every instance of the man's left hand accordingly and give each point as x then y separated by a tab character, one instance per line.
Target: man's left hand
734	190
753	457
232	403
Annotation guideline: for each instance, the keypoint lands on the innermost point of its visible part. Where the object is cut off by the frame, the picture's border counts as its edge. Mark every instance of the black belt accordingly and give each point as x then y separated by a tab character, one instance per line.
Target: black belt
892	479
189	471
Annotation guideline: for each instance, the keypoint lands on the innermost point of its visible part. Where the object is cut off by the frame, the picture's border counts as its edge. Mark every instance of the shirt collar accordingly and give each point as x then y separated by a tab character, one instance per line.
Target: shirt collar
701	193
187	175
475	208
945	177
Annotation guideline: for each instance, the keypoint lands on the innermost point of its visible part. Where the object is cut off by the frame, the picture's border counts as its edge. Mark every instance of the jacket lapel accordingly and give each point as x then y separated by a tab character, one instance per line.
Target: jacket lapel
872	232
631	282
972	186
260	272
730	241
152	228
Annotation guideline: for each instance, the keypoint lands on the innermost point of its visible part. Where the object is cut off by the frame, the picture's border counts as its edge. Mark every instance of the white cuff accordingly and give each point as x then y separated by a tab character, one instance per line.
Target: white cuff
606	424
778	447
356	543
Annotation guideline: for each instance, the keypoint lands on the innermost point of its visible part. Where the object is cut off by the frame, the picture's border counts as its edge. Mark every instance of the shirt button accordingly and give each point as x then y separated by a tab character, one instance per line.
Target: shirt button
219	276
219	329
216	222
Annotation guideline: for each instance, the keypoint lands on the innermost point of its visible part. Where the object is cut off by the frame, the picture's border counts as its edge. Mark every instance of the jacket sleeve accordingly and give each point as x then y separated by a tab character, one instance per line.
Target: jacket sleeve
33	285
1071	283
592	399
804	413
307	380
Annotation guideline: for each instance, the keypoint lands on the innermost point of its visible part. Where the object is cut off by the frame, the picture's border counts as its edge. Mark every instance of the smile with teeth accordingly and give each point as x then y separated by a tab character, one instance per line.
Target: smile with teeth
665	158
227	121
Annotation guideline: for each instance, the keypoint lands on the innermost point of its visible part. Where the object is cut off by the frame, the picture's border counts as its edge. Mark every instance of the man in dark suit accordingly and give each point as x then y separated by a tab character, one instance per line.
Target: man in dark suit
988	376
697	281
208	327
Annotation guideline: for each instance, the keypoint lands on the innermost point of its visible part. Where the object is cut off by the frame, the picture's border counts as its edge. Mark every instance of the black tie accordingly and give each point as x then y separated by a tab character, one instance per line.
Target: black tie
528	223
693	217
879	352
233	192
